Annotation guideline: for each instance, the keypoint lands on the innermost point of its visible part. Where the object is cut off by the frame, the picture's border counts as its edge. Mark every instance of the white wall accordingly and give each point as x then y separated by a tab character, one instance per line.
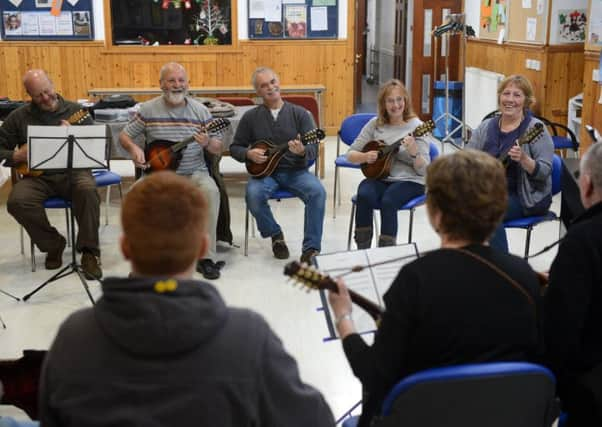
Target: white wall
385	35
99	21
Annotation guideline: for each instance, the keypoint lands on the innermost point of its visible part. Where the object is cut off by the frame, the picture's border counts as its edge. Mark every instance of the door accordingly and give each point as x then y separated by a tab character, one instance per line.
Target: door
427	16
360	49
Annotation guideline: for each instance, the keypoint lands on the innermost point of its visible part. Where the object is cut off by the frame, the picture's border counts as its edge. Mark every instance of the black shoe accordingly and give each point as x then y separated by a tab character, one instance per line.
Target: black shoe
308	256
91	266
54	258
279	247
208	269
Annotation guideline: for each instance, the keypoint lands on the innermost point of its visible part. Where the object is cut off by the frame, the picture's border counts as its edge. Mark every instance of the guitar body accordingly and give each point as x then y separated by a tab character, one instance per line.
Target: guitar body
161	156
23	170
274	154
381	168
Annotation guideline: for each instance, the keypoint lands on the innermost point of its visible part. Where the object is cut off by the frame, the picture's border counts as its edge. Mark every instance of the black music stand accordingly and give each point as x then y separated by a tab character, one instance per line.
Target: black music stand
58	148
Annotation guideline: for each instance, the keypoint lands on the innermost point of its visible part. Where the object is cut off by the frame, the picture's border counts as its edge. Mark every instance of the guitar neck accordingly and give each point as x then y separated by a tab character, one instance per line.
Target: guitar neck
180	145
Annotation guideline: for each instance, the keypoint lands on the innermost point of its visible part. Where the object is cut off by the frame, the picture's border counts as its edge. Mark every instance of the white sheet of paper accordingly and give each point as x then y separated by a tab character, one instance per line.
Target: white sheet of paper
372	282
319	18
30	24
16	3
64	24
47	24
527	4
541	5
256	9
273	10
531	29
73	2
48	148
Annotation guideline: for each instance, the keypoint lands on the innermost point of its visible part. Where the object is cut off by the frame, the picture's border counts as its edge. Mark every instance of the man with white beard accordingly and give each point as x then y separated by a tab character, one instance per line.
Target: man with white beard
174	116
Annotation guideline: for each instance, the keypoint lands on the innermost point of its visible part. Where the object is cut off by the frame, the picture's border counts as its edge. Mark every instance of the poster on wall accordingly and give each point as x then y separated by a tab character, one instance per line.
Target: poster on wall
572	25
295	18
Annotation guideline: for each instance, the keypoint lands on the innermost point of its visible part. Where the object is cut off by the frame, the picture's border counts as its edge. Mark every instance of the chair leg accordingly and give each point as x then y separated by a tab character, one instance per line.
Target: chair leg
528	242
21	235
107	201
68	223
33	255
334	189
351	220
411	225
246	232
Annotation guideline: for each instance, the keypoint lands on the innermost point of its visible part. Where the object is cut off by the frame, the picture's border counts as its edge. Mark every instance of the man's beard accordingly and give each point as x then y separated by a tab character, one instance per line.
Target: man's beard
51	106
175	97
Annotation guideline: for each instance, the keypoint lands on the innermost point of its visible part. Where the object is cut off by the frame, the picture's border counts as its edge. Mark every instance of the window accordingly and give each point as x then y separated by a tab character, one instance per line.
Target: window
171	22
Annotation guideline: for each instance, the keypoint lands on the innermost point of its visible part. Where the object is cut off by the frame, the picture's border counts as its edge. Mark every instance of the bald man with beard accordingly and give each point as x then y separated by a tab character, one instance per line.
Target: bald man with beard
26	200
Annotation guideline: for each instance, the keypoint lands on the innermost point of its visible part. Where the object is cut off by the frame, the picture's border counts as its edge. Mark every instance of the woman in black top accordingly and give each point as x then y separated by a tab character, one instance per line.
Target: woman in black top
463	303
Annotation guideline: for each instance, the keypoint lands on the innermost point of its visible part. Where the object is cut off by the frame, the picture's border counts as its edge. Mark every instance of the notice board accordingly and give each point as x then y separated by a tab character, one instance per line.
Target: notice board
293	19
527	21
47	20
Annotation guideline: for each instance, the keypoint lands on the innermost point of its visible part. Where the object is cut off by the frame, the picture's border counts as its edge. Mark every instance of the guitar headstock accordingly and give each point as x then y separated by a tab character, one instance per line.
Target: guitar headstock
313	136
308	276
424	128
531	134
78	117
216	125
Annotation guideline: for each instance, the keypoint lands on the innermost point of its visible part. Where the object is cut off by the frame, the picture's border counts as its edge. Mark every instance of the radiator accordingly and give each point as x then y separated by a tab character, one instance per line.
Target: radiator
481	94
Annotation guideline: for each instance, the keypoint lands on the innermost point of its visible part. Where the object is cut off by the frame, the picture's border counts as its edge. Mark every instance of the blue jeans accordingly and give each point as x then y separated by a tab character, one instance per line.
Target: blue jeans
515	210
386	196
302	184
11	422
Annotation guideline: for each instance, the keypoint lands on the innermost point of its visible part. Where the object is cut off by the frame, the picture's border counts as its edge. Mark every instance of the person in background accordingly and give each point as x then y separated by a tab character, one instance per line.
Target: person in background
175	116
529	167
573	303
160	348
463	303
26	199
282	123
406	178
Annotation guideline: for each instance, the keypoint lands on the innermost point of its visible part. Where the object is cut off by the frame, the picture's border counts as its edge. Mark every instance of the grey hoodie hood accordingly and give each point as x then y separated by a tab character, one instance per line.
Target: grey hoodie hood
159	317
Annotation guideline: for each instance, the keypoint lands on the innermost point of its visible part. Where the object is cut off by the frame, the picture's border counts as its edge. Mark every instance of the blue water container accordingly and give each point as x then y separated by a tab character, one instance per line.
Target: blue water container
455	107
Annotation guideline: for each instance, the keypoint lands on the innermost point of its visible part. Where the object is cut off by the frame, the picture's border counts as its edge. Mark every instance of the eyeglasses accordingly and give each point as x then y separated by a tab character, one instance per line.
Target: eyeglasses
396	100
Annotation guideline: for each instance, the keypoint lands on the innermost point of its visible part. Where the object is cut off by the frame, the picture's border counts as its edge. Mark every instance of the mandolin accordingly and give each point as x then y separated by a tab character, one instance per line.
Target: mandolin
530	135
75	119
313	279
381	168
162	154
276	152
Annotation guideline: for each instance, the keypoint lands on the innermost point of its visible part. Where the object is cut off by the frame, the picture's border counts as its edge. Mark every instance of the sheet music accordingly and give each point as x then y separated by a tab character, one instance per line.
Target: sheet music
371	282
48	147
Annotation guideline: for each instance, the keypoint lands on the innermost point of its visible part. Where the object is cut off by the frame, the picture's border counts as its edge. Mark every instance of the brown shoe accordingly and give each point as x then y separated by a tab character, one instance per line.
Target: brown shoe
54	258
91	266
308	256
279	247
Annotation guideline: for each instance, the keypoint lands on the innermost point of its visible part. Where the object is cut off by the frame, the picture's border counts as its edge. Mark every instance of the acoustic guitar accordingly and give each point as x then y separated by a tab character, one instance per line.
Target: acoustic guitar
276	152
162	154
313	279
74	119
531	135
381	168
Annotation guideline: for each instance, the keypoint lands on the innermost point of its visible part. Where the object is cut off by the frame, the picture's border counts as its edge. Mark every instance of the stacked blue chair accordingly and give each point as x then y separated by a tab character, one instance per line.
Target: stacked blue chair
500	394
350	129
528	222
410	206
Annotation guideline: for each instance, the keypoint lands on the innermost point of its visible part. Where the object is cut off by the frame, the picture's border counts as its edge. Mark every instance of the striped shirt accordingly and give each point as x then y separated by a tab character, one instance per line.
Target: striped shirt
156	120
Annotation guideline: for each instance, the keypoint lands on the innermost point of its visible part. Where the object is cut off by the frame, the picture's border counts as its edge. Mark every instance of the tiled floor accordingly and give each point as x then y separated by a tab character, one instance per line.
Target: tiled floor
255	281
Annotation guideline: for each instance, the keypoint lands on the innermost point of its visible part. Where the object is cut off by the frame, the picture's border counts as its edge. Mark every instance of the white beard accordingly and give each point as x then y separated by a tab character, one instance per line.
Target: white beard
175	98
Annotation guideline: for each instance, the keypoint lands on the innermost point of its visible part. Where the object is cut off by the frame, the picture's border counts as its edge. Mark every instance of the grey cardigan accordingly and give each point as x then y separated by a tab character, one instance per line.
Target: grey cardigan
531	188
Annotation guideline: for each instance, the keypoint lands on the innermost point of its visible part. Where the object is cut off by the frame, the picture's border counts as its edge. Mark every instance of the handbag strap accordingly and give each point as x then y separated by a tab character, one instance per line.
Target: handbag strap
500	272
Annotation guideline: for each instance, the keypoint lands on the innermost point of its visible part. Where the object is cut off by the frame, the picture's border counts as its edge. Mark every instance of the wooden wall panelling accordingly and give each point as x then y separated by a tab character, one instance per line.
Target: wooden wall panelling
558	79
592	111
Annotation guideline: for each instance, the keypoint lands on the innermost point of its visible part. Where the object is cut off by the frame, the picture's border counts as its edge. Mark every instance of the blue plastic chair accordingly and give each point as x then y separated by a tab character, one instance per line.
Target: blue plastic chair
350	129
501	394
528	222
410	206
107	178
